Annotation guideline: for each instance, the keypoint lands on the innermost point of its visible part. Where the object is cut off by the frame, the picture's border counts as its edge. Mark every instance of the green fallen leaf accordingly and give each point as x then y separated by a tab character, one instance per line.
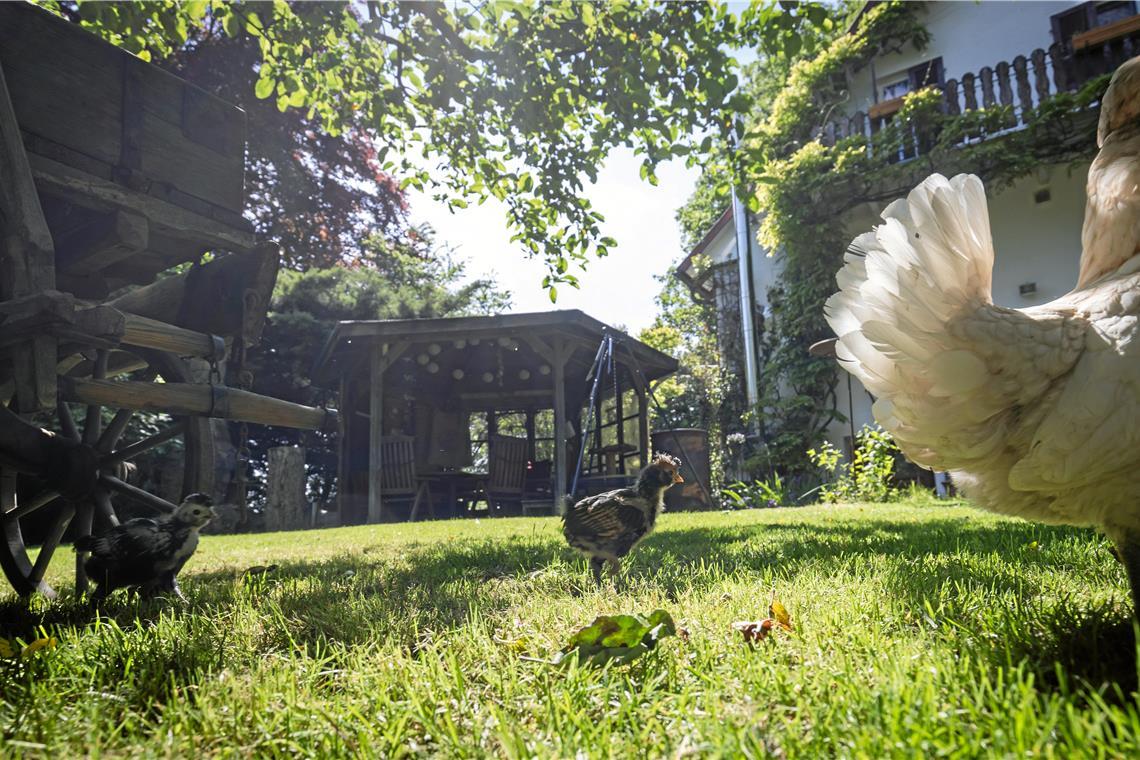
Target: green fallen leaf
618	638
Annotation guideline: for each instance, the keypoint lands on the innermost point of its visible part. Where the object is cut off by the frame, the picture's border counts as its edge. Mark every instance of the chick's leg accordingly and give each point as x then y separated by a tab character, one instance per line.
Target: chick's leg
615	573
596	568
99	594
173	587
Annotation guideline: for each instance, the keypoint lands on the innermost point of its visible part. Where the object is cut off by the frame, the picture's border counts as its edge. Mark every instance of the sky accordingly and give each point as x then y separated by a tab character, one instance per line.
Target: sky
618	289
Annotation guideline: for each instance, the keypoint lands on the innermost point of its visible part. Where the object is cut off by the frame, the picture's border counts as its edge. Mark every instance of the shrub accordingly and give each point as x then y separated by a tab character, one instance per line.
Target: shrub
870	474
770	492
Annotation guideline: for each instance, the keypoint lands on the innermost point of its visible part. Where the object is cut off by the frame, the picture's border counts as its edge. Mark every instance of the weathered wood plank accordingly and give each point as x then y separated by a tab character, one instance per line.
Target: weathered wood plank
986	75
950	90
121	235
27	258
1005	91
968	93
1024	91
213	298
77	91
199	400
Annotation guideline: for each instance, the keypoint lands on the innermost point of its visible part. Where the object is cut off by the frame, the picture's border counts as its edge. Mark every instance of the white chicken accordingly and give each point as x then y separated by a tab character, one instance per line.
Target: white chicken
1036	411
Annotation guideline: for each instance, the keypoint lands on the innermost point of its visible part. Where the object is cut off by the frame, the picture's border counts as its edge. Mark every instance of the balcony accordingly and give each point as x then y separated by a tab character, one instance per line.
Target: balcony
1020	87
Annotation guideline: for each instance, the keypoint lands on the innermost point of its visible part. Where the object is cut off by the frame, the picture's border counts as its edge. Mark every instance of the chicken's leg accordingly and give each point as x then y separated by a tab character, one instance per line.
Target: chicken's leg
1128	550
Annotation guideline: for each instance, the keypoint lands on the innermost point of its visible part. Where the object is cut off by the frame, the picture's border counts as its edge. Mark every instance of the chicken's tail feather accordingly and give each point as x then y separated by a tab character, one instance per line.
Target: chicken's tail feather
900	287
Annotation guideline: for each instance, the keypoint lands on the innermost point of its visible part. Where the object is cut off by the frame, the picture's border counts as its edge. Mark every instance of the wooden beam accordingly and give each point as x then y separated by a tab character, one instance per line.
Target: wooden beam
558	366
214	298
198	400
376	432
539	346
27	258
54	178
150	333
121	236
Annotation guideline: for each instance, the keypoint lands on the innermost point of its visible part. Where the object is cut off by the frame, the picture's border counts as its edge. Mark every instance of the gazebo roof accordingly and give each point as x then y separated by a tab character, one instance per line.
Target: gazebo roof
486	357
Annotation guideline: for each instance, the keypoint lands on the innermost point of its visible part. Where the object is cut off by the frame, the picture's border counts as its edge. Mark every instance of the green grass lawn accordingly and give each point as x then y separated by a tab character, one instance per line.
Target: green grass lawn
921	631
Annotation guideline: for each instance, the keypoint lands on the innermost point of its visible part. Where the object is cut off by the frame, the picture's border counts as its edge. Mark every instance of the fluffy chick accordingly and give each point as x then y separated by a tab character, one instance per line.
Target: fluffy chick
146	553
607	526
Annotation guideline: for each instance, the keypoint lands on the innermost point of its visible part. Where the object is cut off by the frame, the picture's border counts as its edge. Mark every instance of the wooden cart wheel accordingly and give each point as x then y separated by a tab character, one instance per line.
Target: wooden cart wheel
97	509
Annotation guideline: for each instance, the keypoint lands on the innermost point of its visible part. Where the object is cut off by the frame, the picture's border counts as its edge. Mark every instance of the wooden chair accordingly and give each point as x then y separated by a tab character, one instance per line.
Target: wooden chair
506	471
539	496
398	480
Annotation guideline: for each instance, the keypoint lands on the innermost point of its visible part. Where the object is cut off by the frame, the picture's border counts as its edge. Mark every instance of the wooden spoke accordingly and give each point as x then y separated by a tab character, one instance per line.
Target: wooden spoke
40	500
138	447
94	421
51	541
137	494
66	421
83	522
104	507
114	430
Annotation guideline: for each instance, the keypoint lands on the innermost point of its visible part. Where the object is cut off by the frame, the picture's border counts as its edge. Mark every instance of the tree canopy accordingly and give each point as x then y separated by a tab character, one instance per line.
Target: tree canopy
521	101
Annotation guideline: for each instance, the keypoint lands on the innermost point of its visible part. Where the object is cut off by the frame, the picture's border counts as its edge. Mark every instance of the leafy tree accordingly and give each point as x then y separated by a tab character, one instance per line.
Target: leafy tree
307	305
521	101
698	395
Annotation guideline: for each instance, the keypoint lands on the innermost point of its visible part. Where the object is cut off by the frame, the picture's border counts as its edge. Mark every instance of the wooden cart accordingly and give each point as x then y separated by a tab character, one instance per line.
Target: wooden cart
114	173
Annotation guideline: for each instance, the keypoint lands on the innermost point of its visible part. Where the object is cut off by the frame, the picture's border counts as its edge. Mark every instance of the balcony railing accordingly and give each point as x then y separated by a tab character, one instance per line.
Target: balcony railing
1021	87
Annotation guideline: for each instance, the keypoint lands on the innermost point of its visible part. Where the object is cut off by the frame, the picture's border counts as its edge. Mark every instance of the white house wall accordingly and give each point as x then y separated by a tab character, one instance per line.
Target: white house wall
1033	243
967	36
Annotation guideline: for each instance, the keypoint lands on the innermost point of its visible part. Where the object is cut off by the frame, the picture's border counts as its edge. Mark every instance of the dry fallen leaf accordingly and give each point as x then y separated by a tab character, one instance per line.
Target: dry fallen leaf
37	645
754	630
780	614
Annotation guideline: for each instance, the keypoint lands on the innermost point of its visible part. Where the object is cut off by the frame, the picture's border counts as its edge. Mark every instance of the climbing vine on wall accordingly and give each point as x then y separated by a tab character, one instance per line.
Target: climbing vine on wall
803	188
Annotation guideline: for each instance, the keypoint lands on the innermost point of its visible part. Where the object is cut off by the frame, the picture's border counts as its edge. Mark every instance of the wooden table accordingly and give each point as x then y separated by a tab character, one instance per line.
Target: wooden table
455	483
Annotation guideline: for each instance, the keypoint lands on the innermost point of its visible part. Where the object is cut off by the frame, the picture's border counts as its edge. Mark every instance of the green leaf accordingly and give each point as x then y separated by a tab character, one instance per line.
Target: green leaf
553	294
264	88
231	23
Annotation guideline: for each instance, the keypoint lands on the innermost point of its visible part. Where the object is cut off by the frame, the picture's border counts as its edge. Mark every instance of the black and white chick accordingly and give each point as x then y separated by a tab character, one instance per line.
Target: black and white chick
607	526
146	553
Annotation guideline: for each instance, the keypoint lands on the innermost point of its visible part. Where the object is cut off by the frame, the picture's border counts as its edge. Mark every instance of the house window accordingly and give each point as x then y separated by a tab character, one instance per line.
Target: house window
927	74
1087	16
915	78
895	89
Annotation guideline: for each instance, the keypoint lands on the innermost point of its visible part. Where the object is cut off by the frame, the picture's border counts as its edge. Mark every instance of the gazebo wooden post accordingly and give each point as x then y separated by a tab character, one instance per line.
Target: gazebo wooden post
642	419
619	411
559	375
342	469
376	432
597	437
531	451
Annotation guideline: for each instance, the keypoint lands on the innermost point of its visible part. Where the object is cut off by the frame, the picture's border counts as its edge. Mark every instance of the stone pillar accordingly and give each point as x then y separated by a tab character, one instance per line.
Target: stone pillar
286	507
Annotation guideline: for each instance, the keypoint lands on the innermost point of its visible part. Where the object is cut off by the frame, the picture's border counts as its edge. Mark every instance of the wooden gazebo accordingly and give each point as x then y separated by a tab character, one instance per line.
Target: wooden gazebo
422	380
